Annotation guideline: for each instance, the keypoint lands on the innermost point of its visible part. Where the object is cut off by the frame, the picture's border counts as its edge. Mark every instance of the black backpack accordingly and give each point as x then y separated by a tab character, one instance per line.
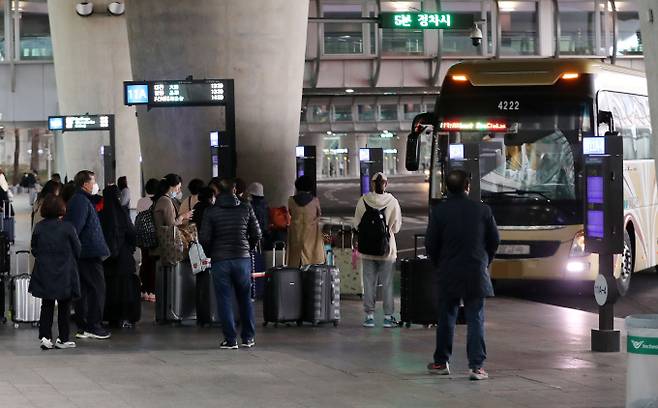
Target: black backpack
374	234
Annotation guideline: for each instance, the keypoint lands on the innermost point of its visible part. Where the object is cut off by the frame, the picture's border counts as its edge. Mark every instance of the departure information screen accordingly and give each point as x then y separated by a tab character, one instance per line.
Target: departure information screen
425	20
204	92
79	122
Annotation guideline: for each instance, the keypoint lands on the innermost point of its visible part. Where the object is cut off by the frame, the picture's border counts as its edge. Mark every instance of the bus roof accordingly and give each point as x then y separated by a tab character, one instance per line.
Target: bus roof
510	72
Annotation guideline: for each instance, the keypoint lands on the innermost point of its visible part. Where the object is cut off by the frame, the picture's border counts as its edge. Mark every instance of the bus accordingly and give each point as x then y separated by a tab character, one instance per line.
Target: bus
529	118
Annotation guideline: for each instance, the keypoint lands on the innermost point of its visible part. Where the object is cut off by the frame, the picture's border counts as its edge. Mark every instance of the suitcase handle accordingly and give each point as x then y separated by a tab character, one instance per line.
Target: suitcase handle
416	236
27	262
283	251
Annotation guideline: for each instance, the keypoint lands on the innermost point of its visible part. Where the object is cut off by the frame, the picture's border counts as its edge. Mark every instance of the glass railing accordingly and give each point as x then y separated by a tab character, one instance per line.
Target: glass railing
36	48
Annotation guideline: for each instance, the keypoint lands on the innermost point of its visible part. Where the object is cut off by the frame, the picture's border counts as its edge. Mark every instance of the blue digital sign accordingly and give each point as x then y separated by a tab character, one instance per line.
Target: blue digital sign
595	224
56	123
595	190
137	94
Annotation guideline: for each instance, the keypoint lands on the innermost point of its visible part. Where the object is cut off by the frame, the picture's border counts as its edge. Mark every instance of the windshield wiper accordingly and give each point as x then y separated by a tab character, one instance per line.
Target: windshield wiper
520	193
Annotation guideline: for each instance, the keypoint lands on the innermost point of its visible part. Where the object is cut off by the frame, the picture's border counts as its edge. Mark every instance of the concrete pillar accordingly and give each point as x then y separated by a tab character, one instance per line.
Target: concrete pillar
400	143
355	142
91	62
649	8
258	43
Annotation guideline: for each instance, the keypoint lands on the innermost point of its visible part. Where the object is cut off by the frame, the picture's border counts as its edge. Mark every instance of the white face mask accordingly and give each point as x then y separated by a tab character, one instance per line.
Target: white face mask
95	189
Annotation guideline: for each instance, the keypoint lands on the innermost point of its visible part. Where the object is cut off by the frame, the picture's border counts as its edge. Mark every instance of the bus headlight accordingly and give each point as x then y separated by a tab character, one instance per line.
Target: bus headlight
578	246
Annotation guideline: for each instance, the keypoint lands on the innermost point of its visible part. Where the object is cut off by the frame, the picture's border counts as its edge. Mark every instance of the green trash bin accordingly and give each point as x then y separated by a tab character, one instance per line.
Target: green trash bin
642	370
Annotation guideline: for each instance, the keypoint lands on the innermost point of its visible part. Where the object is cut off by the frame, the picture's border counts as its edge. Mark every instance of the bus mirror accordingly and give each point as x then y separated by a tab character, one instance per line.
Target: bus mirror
412	161
615	133
605	118
426	118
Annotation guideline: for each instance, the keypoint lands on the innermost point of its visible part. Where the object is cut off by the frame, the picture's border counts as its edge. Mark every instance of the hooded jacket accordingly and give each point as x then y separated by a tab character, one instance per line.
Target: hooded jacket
82	214
229	229
393	216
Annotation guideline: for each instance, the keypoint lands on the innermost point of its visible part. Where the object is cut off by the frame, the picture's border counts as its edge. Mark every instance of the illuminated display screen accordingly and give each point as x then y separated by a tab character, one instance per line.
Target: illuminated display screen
136	94
595	223
595	190
476	125
364	155
187	93
456	152
425	20
299	151
82	122
593	145
214	139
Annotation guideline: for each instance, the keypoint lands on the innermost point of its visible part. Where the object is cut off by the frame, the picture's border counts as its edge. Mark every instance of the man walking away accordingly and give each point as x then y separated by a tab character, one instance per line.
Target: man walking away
229	230
461	241
82	214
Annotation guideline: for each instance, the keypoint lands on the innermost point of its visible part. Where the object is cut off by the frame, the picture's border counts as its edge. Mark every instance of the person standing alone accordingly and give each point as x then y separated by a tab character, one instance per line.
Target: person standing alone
378	218
462	239
82	214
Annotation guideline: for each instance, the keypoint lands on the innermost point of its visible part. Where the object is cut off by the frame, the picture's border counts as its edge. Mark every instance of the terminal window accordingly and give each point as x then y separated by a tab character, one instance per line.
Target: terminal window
343	38
35	42
519	27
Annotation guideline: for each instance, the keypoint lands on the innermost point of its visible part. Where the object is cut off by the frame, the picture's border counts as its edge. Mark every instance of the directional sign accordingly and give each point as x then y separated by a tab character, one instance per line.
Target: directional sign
425	20
79	122
204	92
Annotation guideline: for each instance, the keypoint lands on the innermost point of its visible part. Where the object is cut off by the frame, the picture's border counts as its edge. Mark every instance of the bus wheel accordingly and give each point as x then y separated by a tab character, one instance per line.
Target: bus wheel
624	278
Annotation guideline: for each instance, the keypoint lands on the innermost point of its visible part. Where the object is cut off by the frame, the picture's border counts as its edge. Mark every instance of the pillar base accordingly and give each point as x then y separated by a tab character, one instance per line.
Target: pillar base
605	341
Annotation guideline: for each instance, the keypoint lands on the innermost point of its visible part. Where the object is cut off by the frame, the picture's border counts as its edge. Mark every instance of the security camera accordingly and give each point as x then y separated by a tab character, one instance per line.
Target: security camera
476	36
84	9
116	8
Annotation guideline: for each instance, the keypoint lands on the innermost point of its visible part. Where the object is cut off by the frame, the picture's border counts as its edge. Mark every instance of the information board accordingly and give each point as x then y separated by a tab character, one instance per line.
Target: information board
79	122
204	92
425	20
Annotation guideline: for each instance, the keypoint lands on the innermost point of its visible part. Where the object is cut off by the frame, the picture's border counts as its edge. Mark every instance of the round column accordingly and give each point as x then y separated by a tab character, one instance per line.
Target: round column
258	43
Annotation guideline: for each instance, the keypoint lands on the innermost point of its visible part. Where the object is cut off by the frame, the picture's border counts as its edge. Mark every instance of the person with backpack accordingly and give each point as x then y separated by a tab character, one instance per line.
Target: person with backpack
377	219
147	267
305	244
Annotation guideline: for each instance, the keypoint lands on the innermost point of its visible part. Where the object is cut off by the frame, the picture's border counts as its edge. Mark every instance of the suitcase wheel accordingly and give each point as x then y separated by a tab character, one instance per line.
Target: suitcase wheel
16	325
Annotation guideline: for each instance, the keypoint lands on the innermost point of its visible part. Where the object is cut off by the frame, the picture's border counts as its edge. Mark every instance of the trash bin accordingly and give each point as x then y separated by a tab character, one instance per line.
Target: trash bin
642	371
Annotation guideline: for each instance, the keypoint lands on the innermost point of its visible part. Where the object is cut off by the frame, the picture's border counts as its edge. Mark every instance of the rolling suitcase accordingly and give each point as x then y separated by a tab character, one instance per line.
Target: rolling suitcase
207	313
351	273
8	221
321	294
25	308
419	299
175	288
282	298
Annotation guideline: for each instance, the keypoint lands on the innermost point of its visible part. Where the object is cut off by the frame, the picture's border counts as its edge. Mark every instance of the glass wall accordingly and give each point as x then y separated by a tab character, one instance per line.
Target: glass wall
629	39
343	113
343	38
3	45
578	28
458	42
35	40
402	42
519	28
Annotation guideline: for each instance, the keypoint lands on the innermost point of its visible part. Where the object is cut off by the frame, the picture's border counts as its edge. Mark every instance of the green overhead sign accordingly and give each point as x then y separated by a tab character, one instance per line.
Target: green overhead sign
425	20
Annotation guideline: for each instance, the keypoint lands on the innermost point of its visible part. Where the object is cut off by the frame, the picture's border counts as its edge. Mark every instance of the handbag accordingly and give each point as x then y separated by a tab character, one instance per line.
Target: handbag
200	262
170	246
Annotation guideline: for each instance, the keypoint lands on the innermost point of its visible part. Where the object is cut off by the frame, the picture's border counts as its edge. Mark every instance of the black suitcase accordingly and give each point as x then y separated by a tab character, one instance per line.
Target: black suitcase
282	298
321	288
419	298
206	300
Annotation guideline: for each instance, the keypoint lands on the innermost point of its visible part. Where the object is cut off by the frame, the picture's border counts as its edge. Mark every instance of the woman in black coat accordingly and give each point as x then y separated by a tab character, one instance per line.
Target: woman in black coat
122	296
56	247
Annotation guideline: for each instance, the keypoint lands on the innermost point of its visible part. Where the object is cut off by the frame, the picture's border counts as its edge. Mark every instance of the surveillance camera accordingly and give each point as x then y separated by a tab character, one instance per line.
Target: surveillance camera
116	8
476	36
84	9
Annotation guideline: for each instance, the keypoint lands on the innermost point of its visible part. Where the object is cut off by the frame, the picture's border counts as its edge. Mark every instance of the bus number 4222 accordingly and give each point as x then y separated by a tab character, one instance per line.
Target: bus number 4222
508	105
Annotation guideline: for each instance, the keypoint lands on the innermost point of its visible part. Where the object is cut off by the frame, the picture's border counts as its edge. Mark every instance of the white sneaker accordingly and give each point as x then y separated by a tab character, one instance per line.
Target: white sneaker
478	374
46	344
64	345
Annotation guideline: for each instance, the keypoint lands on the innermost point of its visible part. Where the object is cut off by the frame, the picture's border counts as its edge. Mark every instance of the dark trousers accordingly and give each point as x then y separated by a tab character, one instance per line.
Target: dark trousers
63	316
147	271
89	308
445	331
229	275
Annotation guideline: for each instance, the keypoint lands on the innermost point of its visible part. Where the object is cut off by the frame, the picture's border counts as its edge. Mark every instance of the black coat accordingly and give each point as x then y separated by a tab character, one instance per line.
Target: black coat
229	229
462	239
56	248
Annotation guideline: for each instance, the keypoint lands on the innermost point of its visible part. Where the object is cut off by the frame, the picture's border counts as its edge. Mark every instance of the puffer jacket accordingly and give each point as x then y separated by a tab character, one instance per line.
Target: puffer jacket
81	213
229	229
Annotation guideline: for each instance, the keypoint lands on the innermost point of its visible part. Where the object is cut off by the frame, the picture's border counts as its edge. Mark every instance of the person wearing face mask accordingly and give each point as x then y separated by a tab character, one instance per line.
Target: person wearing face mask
167	203
81	213
206	199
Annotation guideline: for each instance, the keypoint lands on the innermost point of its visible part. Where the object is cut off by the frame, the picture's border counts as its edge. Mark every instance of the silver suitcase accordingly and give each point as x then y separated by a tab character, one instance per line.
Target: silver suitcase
175	292
25	308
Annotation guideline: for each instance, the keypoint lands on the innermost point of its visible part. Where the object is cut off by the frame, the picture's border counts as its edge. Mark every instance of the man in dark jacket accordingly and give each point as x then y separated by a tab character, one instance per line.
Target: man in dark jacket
229	231
462	239
81	213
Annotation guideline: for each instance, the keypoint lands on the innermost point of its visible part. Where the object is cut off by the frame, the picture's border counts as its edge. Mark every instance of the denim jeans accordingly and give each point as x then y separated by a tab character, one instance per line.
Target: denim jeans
374	272
229	275
475	347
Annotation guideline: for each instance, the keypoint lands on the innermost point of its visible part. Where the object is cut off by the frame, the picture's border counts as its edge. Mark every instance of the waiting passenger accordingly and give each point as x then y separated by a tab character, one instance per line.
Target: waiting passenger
241	189
305	244
378	251
147	267
122	183
68	190
51	188
228	233
206	199
256	195
56	247
167	203
144	203
462	239
194	187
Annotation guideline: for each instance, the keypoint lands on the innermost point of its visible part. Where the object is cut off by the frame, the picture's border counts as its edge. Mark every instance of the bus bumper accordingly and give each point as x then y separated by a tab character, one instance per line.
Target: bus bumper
557	267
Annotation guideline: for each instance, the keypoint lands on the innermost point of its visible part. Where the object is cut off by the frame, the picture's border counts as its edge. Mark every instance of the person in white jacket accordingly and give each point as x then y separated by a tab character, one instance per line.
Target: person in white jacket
378	268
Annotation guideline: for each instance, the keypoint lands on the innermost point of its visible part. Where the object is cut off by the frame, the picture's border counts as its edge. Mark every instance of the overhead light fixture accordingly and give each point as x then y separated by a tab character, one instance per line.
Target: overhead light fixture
349	90
116	8
84	9
329	132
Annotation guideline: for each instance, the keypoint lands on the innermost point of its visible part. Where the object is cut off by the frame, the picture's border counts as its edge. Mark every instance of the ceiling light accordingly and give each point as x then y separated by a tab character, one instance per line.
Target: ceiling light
116	8
84	9
349	90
